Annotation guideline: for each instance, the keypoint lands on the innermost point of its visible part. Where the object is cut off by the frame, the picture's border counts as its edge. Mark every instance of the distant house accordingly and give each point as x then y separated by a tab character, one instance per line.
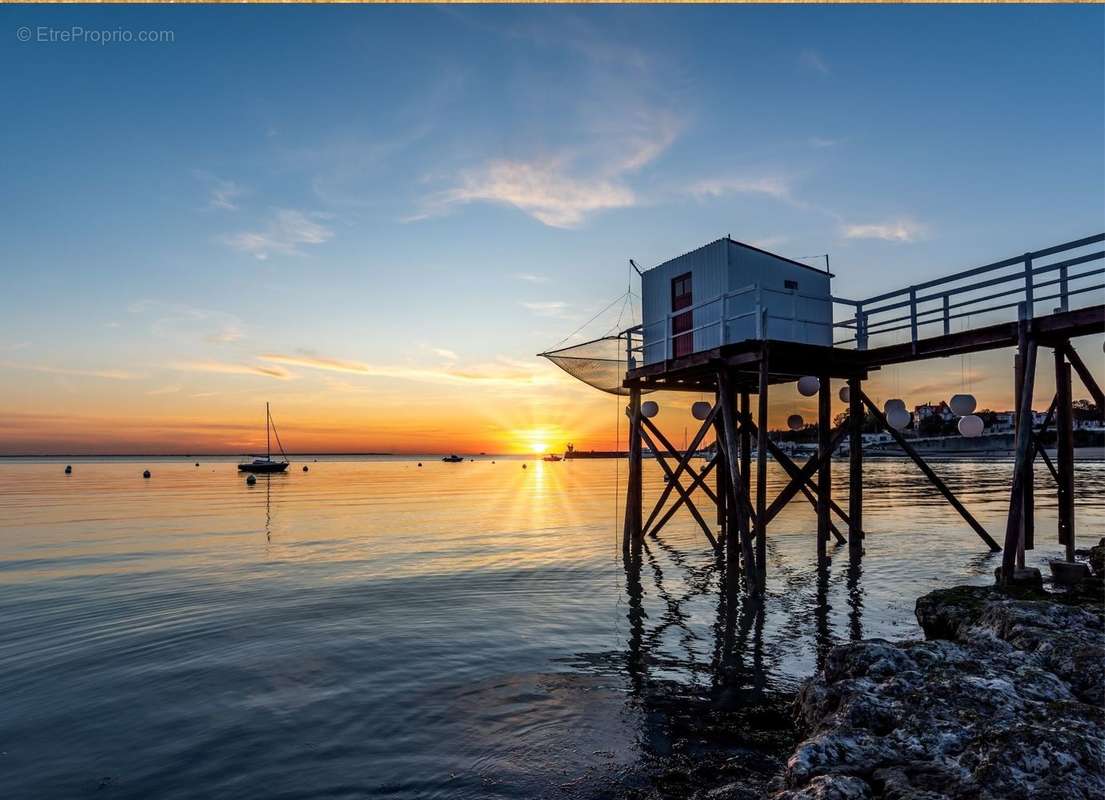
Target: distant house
927	410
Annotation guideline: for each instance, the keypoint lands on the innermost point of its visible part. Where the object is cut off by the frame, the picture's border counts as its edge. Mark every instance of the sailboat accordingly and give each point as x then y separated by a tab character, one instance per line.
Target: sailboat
266	464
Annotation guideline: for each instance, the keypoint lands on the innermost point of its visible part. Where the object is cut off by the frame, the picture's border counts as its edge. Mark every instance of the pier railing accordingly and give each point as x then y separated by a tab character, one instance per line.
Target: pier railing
748	312
1064	274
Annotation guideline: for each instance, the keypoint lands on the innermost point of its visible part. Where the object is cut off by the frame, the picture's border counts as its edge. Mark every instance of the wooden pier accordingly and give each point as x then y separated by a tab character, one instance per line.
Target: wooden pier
733	373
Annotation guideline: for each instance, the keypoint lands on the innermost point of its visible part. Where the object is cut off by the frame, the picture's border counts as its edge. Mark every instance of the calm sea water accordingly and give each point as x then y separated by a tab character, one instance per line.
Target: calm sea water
375	629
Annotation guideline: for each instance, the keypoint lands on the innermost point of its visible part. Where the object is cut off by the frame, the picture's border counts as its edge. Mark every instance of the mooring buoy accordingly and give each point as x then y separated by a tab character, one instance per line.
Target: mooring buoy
523	466
146	474
68	469
252	479
420	463
304	467
197	463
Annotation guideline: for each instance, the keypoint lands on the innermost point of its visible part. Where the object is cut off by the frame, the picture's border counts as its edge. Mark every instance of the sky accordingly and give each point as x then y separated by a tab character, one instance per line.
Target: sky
375	217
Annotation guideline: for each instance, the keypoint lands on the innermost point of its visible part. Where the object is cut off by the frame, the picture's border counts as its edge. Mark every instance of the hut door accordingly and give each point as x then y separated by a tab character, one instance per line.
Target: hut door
682	341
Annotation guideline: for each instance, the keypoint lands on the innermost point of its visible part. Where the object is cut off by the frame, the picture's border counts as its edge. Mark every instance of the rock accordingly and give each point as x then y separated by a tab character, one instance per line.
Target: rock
1097	558
1068	573
1004	700
1023	578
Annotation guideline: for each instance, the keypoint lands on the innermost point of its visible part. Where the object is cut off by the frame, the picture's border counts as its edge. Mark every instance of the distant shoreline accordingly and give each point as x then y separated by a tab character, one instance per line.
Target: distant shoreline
184	455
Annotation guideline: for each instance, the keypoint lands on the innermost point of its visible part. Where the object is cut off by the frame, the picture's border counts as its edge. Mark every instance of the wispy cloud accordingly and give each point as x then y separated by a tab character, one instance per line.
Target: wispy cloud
184	323
501	372
901	230
811	59
284	235
8	348
619	117
109	374
545	190
441	352
221	194
530	277
223	368
163	390
821	143
224	195
547	308
772	186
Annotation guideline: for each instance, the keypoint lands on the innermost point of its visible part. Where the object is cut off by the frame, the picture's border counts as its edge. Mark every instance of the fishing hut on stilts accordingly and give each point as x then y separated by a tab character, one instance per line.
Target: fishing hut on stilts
732	321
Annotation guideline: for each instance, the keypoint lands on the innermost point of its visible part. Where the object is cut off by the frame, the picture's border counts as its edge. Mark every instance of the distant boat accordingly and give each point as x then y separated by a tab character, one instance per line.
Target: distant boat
453	459
266	464
552	457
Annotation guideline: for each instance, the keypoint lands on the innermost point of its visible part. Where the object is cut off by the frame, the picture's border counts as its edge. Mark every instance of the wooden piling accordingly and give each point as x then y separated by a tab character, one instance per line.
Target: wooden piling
1028	501
761	467
746	444
722	512
729	428
824	470
1013	529
633	492
1064	457
855	469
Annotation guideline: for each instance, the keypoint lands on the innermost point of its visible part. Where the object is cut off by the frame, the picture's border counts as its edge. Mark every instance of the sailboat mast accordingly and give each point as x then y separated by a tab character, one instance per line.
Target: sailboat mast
268	436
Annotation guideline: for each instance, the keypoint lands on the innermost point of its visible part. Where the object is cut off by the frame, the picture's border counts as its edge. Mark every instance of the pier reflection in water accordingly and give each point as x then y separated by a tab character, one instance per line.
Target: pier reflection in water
458	631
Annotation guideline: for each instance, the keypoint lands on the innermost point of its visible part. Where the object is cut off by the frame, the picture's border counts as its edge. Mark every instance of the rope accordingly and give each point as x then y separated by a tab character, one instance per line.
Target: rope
588	322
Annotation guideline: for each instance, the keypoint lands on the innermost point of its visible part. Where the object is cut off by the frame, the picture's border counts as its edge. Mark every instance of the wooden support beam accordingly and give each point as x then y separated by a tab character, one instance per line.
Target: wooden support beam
653	530
725	396
1037	437
683	460
1086	378
1024	437
673	481
824	469
855	468
1064	424
761	466
683	464
746	445
807	471
745	465
880	418
793	470
722	512
633	494
1028	491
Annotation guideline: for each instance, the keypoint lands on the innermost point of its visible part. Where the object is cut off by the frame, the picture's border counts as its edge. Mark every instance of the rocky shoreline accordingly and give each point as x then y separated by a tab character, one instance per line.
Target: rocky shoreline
1003	700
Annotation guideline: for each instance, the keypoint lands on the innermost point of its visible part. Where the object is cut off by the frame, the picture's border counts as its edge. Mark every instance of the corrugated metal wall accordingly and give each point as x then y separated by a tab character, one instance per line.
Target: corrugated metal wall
708	266
725	266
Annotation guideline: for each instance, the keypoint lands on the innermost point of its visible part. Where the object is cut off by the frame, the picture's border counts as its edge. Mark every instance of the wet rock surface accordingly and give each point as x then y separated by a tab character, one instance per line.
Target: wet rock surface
1004	700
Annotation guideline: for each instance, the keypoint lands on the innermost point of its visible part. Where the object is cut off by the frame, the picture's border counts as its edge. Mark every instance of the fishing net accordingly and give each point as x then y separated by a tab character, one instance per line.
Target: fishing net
599	362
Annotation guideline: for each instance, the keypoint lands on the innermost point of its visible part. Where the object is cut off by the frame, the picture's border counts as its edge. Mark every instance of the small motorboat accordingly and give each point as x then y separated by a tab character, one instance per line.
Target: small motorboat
453	459
266	465
552	457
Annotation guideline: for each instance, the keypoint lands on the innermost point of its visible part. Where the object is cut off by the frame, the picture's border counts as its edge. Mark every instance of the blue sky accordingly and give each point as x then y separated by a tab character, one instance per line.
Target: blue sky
433	193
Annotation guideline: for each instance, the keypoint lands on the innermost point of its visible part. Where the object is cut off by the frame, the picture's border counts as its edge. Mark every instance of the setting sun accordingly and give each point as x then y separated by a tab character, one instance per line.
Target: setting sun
538	447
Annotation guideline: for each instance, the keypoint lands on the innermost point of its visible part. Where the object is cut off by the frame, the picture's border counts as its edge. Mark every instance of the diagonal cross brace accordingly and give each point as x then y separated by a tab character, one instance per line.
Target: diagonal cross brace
805	473
932	476
675	483
683	464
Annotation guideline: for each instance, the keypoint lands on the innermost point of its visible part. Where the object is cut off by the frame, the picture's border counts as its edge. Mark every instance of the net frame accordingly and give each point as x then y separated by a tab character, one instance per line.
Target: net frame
600	363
